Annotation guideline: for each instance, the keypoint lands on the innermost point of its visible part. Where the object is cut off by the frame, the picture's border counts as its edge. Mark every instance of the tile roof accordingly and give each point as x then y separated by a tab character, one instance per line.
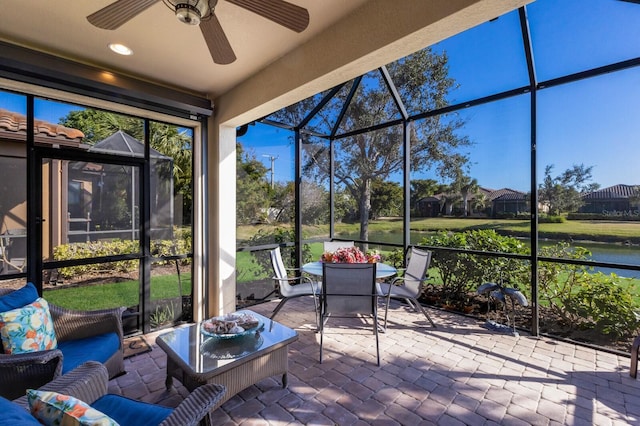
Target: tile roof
491	194
613	192
14	126
507	194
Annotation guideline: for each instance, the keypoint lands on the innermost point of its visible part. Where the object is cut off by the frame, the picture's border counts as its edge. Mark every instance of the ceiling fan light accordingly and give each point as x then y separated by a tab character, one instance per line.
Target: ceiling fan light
188	14
191	11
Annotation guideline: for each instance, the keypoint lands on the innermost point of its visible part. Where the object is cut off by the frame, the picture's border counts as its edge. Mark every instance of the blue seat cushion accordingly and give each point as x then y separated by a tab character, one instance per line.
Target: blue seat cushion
19	298
126	411
13	414
96	348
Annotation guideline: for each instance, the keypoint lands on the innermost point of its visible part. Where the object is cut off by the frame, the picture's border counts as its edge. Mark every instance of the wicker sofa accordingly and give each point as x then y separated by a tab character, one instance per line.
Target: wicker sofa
89	383
82	336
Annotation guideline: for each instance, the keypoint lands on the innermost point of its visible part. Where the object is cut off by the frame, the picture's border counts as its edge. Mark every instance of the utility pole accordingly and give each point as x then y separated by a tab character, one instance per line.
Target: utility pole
273	167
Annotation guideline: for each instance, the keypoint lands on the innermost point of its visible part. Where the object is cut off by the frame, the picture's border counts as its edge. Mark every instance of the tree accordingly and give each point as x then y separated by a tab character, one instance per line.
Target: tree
252	190
421	188
386	199
360	159
481	201
315	203
167	139
448	199
98	125
466	186
562	193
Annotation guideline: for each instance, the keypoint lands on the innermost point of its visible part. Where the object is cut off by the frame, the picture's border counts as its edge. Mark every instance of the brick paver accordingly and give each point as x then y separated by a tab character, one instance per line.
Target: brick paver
458	373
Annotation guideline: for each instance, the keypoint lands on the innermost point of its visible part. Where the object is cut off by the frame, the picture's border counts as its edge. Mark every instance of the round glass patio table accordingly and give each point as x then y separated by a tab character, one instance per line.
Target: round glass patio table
383	270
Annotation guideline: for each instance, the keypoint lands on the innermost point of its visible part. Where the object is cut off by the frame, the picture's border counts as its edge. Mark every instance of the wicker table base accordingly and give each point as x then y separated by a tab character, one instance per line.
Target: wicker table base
187	362
241	376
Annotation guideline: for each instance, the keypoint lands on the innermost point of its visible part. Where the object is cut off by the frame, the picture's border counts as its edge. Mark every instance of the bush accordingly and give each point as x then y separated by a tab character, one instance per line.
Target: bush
558	282
395	258
512	215
159	248
462	273
551	219
598	216
580	298
262	259
96	249
603	302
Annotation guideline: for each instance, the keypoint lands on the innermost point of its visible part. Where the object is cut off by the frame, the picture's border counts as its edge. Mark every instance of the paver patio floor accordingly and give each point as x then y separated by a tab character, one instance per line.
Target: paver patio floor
459	373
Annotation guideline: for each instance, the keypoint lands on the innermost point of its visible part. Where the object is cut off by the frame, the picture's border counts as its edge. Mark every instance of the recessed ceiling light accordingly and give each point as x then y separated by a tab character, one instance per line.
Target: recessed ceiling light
120	49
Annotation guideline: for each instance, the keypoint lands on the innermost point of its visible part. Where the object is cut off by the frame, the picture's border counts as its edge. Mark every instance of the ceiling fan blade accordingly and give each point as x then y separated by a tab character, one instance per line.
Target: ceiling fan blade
119	12
289	15
217	41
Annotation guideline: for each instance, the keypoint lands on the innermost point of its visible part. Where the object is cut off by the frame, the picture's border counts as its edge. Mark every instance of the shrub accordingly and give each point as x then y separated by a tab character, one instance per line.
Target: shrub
159	248
632	215
557	282
551	219
603	302
462	273
262	258
96	249
395	258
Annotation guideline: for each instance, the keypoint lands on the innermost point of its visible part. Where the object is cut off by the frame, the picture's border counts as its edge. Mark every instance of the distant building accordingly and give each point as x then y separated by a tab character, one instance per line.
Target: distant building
495	202
428	207
508	201
82	201
617	200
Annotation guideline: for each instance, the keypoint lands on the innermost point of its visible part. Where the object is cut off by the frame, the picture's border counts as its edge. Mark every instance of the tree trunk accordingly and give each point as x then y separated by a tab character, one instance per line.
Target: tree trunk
464	205
365	209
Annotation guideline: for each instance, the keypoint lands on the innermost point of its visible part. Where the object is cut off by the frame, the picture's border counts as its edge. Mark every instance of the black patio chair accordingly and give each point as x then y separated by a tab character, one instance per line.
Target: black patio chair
409	286
349	290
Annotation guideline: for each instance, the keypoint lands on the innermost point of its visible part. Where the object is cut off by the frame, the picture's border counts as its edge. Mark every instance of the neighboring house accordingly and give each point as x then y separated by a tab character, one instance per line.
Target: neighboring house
617	200
507	201
428	207
496	202
13	162
82	201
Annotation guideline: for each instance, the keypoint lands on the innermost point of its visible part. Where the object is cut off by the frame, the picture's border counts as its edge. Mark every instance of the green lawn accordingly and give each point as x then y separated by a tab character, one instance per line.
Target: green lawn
595	230
125	293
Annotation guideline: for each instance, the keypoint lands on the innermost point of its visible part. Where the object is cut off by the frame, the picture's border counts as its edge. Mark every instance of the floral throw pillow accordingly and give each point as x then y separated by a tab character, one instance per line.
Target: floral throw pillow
28	329
55	409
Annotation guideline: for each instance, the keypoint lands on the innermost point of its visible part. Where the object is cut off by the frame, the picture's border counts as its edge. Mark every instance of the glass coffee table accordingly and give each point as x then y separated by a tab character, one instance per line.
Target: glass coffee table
237	362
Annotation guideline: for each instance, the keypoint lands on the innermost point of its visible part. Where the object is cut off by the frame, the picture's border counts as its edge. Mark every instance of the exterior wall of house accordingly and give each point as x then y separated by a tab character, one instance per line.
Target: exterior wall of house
602	206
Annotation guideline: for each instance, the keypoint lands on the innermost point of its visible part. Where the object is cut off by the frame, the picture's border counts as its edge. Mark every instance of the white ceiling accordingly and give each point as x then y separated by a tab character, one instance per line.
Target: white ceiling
165	50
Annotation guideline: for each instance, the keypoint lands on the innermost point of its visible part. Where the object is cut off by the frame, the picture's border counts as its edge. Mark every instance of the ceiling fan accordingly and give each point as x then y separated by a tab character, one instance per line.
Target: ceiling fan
201	12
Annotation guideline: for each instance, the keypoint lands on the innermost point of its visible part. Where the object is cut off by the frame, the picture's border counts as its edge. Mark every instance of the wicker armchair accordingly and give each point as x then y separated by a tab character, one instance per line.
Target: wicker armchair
74	325
31	370
89	382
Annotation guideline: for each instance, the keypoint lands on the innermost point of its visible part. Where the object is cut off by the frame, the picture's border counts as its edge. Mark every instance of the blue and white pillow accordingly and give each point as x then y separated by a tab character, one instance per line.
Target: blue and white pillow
55	409
28	329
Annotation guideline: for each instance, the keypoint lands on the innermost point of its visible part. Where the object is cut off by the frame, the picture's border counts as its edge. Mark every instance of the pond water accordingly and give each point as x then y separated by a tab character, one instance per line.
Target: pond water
600	252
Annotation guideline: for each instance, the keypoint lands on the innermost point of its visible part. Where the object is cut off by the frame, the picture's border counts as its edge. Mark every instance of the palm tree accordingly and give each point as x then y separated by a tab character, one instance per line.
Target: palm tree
480	201
448	200
467	186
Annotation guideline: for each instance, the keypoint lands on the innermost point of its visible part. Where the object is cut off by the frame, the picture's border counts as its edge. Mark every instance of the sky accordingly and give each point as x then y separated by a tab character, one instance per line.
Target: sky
591	122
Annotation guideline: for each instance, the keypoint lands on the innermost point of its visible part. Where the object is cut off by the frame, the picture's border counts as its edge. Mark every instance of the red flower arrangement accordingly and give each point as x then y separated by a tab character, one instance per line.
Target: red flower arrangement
345	255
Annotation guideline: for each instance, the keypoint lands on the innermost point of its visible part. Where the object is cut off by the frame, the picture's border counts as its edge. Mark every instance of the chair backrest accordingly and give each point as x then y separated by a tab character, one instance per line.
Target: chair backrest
416	271
331	246
349	288
16	243
280	272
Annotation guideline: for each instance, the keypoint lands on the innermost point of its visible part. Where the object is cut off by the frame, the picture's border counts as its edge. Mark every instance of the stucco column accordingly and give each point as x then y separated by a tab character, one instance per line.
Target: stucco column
221	214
